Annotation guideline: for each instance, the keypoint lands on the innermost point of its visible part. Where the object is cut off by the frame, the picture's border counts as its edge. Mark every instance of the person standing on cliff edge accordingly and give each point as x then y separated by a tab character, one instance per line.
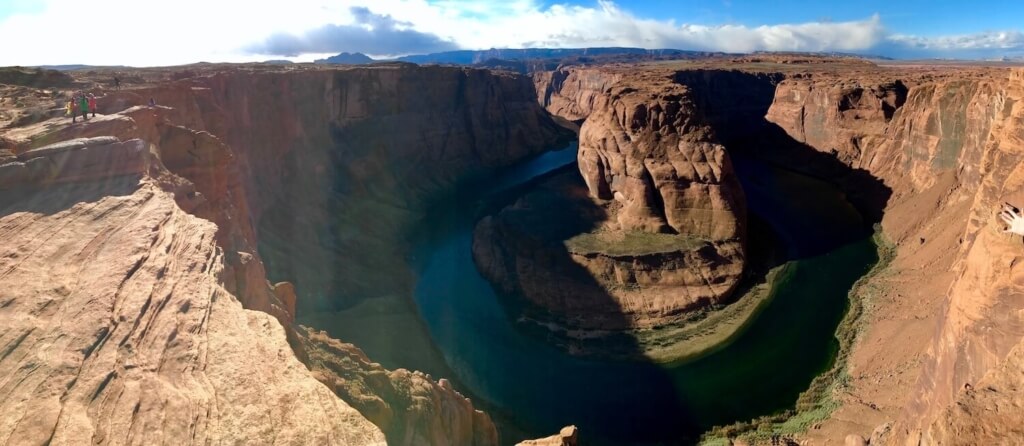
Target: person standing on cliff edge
83	106
92	104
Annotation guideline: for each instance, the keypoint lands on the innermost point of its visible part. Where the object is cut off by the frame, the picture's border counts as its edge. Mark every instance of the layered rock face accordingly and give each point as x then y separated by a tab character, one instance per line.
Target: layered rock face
951	151
652	152
847	118
410	406
117	326
226	159
654	232
946	143
573	93
566	437
357	153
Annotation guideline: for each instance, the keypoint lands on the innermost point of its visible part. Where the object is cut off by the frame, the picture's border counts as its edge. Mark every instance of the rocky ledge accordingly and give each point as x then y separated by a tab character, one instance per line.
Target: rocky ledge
136	304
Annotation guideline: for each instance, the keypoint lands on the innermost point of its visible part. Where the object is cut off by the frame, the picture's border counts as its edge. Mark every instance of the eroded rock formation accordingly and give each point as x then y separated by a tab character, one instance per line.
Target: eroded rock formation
946	142
117	326
572	93
654	232
566	437
136	266
650	149
410	406
951	153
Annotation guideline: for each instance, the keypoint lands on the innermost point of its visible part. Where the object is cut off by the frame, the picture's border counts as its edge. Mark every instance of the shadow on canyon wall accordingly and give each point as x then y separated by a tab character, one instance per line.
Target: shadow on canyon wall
527	226
735	104
353	246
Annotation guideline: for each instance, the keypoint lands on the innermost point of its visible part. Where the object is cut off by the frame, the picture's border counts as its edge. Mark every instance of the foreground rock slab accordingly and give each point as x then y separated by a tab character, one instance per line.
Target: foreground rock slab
115	329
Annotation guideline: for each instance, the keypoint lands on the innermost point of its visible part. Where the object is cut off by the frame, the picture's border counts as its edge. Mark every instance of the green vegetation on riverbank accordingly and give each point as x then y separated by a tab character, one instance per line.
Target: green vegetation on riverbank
699	335
630	243
715	328
819	401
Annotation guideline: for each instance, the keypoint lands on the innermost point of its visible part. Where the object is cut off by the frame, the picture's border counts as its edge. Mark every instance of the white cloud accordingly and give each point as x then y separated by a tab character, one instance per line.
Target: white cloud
371	33
605	24
990	40
139	32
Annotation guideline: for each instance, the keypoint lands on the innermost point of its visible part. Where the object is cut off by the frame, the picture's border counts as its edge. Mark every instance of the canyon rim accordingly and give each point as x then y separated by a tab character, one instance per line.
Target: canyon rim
614	247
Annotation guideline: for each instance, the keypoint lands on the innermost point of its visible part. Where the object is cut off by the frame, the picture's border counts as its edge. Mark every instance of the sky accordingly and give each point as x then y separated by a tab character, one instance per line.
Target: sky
153	33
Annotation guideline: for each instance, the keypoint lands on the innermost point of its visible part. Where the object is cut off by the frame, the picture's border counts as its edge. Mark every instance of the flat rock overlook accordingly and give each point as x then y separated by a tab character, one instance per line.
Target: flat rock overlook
189	270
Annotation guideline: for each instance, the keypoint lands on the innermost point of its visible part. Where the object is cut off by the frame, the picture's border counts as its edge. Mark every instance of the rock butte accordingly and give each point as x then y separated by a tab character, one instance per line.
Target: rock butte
652	163
136	304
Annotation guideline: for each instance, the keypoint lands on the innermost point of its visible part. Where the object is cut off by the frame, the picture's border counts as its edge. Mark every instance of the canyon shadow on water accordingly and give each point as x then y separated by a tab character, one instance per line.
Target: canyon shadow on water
537	388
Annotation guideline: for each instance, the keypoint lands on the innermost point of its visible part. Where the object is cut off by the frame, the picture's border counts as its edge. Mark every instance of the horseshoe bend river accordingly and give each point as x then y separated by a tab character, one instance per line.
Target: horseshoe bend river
534	389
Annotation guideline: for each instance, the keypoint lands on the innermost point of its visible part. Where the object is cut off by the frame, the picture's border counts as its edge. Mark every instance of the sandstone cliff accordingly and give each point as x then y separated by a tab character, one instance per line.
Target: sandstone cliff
235	165
566	437
118	329
945	141
950	148
655	229
573	93
410	407
358	153
649	148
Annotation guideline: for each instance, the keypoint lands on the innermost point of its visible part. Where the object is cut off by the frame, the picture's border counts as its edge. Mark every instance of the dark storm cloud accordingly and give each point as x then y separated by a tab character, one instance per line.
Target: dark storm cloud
371	34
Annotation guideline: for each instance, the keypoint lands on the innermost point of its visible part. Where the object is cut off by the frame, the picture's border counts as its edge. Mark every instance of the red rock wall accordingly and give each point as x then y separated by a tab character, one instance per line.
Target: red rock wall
309	148
652	151
959	140
572	93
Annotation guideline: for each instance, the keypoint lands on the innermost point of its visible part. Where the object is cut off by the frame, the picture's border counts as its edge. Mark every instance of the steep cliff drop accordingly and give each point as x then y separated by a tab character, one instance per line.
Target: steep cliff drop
119	325
653	233
945	142
949	144
138	304
138	248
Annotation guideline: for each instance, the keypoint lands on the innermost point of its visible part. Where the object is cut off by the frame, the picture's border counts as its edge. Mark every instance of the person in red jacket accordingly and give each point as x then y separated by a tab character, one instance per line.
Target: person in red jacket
92	104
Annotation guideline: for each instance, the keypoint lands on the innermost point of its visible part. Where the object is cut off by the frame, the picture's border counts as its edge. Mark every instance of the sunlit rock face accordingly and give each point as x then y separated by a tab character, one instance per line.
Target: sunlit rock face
137	254
950	146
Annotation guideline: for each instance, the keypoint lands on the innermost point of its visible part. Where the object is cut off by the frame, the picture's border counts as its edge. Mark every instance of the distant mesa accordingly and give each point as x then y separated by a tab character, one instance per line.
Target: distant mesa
469	57
35	77
527	60
347	59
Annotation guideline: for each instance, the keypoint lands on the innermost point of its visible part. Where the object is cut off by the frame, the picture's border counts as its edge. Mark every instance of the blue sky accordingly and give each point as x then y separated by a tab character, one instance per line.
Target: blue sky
153	32
917	17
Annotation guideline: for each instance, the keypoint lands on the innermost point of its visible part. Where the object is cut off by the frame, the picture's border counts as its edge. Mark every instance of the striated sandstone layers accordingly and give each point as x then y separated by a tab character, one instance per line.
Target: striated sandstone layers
356	153
654	232
946	141
573	93
565	437
950	146
410	406
118	329
652	151
187	338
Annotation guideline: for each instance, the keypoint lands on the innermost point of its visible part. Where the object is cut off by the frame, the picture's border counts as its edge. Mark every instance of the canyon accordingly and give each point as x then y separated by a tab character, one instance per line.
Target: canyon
944	141
194	270
174	201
